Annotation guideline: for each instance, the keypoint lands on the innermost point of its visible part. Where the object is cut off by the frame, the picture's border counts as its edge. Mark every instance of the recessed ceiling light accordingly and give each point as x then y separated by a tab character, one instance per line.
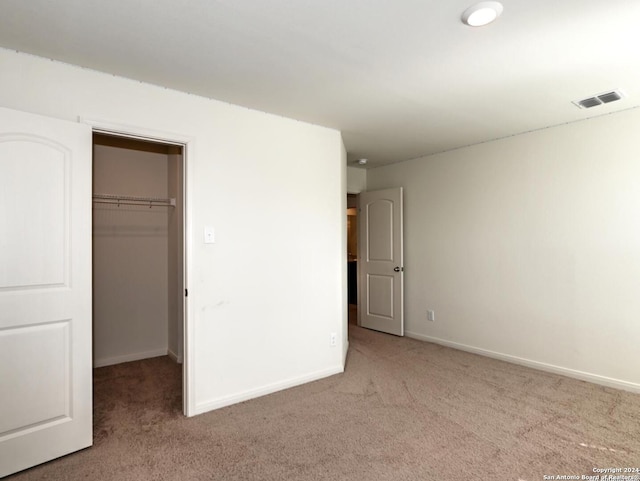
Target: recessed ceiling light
363	161
482	13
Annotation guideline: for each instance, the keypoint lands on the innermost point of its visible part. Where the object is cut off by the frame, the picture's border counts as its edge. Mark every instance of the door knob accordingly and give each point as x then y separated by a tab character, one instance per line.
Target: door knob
398	269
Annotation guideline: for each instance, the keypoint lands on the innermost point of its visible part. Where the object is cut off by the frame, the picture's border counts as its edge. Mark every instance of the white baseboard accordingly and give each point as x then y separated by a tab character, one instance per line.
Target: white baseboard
269	389
583	376
174	356
136	356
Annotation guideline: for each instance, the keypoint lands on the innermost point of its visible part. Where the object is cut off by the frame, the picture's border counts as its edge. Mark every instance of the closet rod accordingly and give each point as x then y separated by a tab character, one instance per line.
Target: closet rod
133	200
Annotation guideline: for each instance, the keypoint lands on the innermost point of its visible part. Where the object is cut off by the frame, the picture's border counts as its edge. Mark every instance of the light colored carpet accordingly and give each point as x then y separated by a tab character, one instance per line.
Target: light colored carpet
403	410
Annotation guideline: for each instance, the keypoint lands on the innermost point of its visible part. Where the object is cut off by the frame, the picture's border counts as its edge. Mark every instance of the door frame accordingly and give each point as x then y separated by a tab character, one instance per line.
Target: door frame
187	143
356	194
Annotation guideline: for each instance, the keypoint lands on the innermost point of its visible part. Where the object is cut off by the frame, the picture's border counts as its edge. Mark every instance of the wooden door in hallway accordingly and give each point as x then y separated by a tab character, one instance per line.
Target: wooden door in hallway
381	261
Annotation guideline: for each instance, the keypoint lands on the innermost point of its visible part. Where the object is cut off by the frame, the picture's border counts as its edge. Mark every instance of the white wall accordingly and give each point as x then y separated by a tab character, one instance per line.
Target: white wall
528	248
130	256
356	180
265	297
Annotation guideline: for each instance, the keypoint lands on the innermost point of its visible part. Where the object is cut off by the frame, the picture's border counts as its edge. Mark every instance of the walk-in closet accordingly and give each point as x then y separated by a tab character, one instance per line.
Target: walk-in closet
138	266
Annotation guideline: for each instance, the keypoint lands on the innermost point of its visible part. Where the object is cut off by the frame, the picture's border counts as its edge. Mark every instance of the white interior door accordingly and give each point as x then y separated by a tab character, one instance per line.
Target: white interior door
380	304
45	289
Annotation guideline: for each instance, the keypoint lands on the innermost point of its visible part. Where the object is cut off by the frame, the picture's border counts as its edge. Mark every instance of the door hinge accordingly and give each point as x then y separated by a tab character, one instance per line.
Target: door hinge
186	293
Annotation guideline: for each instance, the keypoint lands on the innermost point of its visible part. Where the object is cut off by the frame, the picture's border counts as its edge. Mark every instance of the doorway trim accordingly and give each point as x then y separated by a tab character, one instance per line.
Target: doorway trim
187	143
356	195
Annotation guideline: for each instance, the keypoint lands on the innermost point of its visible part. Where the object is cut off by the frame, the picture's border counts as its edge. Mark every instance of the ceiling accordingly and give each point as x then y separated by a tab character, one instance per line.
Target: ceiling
400	79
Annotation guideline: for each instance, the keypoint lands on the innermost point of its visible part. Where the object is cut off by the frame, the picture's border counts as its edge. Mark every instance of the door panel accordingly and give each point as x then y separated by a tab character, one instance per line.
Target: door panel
49	399
381	261
380	216
380	296
45	289
34	201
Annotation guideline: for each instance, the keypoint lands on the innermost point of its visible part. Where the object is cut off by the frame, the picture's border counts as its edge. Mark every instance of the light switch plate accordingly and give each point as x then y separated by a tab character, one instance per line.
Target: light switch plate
209	235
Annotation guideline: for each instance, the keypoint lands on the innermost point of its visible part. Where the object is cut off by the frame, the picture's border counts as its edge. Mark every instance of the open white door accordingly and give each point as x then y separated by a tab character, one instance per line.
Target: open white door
380	304
45	289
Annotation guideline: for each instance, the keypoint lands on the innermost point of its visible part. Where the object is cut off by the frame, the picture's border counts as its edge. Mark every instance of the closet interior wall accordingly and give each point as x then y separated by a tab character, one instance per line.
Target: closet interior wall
137	252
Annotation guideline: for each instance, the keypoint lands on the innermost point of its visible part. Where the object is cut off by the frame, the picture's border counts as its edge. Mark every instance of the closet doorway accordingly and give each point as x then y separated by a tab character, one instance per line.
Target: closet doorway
138	251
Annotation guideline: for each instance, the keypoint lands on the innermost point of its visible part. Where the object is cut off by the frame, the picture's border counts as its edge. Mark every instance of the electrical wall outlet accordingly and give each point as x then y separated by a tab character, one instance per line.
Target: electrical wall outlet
209	235
333	339
431	315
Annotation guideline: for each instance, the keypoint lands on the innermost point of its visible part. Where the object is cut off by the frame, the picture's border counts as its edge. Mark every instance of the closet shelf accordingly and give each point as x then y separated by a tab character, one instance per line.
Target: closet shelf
134	200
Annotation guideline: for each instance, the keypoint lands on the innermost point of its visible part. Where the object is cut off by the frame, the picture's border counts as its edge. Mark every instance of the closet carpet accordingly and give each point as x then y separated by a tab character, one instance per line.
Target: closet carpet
403	410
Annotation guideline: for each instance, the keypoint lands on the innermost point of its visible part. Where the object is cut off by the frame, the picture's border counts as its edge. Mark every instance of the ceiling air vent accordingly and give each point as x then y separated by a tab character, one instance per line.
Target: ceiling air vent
610	97
590	102
603	98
